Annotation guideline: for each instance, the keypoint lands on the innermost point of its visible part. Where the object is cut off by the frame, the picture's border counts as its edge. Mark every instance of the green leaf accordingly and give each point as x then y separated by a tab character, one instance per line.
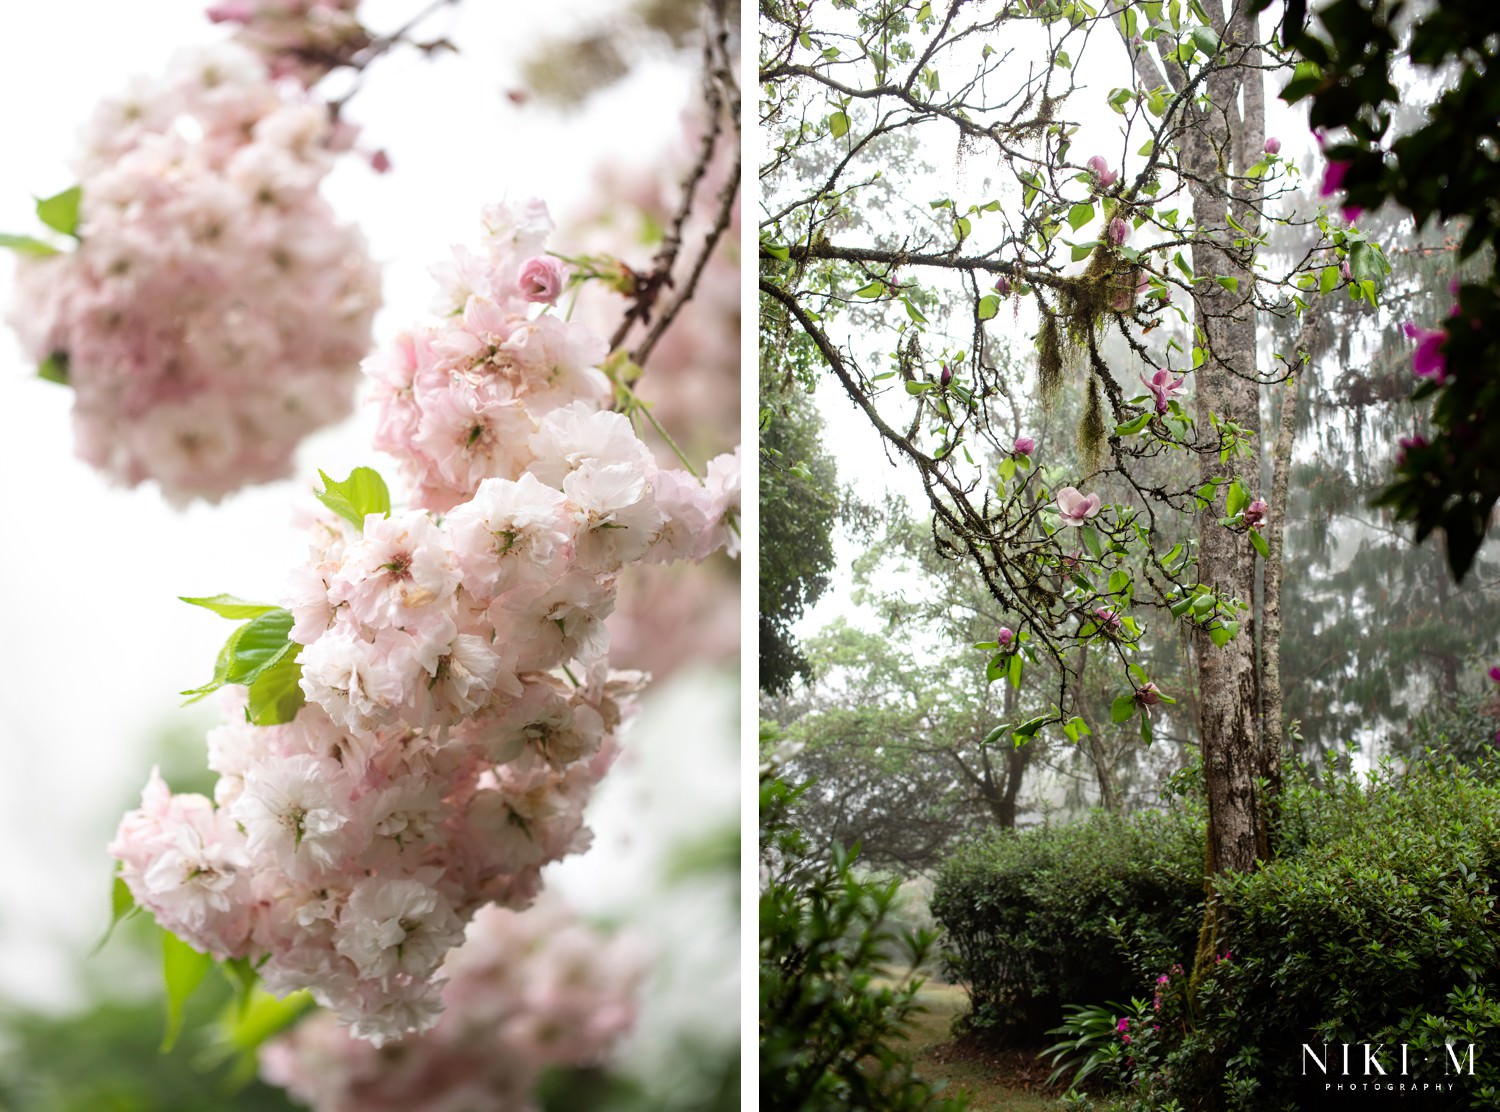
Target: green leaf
873	289
1205	39
1134	425
1013	670
275	695
1091	541
1082	251
1146	728
1118	581
989	305
913	312
1236	500
776	250
915	388
261	643
838	125
60	211
1229	282
228	606
1220	636
1027	730
996	667
1328	280
1122	708
27	245
1076	728
1258	543
964	226
364	492
1080	214
122	906
183	969
54	368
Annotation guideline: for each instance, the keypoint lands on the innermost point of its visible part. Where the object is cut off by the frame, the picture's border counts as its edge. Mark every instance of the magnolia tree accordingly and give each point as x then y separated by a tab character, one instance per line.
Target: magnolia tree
1131	224
412	731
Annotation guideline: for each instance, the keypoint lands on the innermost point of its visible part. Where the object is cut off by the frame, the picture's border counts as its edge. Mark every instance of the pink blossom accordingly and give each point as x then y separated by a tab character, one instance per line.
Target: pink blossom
1002	286
541	278
1075	507
1255	513
1494	674
946	376
1163	388
1427	360
1005	637
1104	177
1148	695
1023	446
1273	145
1118	231
1109	621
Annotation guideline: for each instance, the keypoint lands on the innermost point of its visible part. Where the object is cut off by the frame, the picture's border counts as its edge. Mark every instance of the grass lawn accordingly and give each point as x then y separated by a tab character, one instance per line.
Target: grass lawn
993	1080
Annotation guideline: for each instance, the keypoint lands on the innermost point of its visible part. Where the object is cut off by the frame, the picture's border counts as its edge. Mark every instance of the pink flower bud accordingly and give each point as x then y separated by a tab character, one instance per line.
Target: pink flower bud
1002	285
1104	177
1255	513
1023	446
1118	231
541	279
1273	145
1148	696
1005	637
1108	620
947	375
1495	674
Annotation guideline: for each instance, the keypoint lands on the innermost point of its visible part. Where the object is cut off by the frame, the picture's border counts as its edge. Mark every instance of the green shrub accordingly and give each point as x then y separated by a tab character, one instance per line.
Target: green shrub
1376	927
831	1024
1035	918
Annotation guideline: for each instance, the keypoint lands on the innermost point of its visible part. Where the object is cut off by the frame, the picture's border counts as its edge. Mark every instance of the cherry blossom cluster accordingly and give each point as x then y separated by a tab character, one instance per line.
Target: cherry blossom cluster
301	39
213	311
459	703
505	386
525	992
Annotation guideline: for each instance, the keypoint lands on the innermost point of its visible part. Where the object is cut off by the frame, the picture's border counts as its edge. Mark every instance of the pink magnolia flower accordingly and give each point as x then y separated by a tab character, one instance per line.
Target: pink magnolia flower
1118	231
1075	507
1495	674
1333	182
1148	695
1002	285
947	376
1163	387
1005	637
1109	621
1104	177
1428	361
1273	145
1023	446
1255	513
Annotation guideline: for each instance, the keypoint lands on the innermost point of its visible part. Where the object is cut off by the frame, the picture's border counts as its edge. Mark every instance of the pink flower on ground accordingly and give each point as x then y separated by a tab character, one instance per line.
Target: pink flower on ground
1023	446
1255	513
1163	387
1075	507
1104	177
1428	361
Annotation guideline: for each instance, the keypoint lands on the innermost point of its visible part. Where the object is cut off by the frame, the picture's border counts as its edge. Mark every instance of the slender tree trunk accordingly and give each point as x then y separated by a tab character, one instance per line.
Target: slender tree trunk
1227	389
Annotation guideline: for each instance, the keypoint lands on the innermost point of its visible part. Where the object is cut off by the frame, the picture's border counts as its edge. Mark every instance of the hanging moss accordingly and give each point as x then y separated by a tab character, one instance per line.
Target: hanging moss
1050	363
1091	428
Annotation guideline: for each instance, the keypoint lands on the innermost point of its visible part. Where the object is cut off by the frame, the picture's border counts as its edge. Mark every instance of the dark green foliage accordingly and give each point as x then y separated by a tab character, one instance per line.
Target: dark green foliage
830	1021
1465	728
1377	926
1441	170
1035	918
799	504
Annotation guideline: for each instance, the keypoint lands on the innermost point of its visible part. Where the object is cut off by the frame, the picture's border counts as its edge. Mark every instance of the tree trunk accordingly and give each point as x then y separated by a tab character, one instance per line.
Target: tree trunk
1227	389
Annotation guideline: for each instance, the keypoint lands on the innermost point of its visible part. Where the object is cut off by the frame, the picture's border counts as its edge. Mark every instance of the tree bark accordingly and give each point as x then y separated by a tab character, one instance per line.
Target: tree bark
1227	389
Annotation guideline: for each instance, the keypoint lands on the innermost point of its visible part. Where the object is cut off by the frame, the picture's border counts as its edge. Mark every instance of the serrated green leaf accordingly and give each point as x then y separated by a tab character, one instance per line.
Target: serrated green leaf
838	125
261	642
60	211
275	694
229	606
364	492
183	969
1080	214
27	245
1122	708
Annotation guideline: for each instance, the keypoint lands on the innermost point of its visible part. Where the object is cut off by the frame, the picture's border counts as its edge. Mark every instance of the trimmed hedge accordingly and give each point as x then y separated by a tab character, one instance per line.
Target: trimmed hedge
1034	918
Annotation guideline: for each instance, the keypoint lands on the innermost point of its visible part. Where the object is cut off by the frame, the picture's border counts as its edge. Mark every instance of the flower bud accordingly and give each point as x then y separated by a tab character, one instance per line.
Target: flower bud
1273	145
